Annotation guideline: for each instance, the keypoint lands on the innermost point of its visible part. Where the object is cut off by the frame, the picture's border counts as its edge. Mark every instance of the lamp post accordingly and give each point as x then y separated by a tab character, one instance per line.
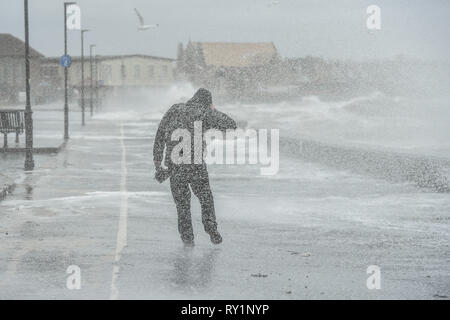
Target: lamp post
96	84
91	84
66	103
82	75
29	163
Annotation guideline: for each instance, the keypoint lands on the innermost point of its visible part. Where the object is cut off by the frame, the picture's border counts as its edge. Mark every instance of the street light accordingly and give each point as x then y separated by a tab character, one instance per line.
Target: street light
29	163
96	83
66	103
82	75
91	84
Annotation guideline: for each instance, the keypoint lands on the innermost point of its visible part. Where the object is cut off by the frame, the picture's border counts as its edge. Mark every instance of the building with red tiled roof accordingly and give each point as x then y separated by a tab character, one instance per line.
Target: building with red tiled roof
228	66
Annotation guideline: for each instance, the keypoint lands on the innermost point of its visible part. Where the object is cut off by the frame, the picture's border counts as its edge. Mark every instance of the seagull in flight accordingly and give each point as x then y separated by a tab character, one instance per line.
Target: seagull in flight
142	25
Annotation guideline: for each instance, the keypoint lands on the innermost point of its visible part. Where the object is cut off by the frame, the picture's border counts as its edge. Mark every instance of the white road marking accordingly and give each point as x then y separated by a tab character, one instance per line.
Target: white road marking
122	230
15	260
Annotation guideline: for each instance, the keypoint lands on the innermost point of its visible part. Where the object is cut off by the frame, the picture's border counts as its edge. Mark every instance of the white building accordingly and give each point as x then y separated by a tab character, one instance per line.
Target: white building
114	71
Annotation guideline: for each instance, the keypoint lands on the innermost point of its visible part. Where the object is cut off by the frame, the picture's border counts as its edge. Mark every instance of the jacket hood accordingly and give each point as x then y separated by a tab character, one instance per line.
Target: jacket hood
202	97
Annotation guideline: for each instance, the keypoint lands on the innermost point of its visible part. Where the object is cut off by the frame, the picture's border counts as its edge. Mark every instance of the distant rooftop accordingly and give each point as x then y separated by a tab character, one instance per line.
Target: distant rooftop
236	54
11	46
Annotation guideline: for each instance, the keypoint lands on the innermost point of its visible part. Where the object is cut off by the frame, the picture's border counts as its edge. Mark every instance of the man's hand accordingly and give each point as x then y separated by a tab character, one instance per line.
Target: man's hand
161	174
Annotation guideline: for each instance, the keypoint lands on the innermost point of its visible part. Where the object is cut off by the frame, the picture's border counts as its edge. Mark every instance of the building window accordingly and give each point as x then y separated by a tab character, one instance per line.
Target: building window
123	71
150	72
137	71
6	73
164	71
107	72
15	73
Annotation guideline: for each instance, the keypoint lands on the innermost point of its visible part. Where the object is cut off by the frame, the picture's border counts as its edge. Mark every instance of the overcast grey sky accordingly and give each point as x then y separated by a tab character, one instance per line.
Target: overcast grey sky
327	28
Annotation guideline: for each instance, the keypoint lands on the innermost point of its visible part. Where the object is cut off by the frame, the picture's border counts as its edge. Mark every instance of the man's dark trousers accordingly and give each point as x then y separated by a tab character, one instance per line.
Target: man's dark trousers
195	176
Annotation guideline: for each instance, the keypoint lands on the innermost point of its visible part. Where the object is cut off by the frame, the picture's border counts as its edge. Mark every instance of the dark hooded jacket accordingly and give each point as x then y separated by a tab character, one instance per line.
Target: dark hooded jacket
183	116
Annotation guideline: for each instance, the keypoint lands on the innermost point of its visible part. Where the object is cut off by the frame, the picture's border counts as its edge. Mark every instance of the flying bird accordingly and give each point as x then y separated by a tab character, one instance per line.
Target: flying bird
273	3
142	25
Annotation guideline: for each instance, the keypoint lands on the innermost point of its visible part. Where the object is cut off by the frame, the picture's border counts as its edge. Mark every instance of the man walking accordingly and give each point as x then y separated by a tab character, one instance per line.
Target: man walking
193	174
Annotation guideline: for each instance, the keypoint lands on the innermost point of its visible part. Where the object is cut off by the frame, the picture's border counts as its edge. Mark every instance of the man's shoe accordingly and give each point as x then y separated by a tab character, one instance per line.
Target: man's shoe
215	236
188	242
